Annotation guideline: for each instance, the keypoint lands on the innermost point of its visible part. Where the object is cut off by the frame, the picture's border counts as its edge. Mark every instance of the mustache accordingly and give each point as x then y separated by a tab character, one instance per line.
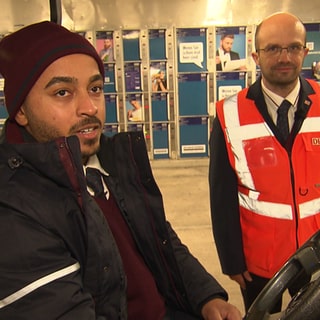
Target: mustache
84	122
284	64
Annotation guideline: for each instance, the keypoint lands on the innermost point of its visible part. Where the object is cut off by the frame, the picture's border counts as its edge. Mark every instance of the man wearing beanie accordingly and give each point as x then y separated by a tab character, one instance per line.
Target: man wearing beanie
77	250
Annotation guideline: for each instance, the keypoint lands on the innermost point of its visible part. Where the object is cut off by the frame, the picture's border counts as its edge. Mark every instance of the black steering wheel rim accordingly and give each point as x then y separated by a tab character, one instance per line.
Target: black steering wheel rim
305	260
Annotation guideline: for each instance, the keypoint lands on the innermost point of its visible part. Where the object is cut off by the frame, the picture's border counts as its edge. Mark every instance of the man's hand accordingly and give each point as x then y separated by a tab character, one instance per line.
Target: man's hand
218	309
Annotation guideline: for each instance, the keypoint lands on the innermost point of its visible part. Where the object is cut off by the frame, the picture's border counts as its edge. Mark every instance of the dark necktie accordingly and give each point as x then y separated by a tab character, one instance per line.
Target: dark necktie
94	181
282	120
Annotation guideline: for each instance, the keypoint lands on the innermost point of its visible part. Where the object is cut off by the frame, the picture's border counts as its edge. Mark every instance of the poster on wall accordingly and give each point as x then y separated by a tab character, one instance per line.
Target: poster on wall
192	49
229	83
109	78
104	45
158	76
311	64
315	71
132	72
231	49
134	108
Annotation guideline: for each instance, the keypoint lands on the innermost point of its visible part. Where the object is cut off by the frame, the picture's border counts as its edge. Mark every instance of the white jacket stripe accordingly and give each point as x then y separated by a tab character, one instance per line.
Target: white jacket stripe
310	125
38	283
309	208
267	209
236	134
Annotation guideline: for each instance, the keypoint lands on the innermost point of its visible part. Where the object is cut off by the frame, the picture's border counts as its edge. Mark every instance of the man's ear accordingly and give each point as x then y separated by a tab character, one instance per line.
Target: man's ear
21	117
255	57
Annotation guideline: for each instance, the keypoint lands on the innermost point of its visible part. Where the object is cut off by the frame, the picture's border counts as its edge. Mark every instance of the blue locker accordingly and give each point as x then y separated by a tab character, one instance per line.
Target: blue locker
131	47
159	107
109	78
193	137
135	127
111	108
160	140
3	110
110	129
307	73
192	94
157	47
229	83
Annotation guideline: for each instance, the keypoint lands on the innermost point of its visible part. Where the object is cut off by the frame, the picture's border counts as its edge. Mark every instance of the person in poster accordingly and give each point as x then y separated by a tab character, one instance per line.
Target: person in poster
159	81
106	53
224	53
316	70
135	109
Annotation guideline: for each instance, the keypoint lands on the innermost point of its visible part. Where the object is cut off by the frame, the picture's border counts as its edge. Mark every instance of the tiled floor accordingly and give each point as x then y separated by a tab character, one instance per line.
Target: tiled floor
185	190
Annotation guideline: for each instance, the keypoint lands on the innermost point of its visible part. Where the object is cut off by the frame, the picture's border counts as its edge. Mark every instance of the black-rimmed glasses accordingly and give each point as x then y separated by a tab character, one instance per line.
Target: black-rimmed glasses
294	49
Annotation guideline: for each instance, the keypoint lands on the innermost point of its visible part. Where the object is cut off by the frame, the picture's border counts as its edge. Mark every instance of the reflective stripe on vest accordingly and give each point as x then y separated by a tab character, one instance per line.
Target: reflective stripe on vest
38	283
309	208
238	134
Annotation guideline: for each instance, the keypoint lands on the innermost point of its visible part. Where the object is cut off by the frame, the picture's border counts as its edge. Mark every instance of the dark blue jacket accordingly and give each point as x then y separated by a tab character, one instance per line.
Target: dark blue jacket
50	224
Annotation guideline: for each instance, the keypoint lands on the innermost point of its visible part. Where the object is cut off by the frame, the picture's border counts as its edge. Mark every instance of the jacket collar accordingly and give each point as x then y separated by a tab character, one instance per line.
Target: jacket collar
304	102
255	90
56	160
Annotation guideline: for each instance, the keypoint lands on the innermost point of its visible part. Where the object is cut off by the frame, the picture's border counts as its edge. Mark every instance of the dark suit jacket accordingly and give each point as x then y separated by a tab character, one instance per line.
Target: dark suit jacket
233	56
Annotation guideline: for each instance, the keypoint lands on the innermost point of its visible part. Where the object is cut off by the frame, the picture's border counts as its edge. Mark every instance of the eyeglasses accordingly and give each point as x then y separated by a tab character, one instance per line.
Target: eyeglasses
294	49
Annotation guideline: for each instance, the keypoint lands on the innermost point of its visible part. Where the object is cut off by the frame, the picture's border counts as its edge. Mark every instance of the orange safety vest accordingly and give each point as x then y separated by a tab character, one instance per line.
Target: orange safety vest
279	195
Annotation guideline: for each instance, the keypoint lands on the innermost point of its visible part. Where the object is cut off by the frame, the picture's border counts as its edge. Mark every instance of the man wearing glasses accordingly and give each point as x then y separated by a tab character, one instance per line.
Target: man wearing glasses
265	153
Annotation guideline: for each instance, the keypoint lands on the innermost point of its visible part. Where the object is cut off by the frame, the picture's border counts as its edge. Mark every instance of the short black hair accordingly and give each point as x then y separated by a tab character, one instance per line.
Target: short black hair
224	35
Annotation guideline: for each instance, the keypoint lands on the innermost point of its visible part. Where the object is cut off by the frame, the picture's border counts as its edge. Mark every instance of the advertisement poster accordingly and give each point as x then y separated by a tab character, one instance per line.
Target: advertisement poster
132	76
109	78
104	45
192	50
230	83
158	76
134	108
231	49
312	60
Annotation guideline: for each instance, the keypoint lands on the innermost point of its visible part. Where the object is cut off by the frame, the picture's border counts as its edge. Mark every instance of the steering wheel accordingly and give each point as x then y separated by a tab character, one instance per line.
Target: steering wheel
306	303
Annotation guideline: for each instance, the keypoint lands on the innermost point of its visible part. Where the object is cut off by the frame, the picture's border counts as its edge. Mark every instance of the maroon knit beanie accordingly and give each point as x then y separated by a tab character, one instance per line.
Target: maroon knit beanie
26	53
